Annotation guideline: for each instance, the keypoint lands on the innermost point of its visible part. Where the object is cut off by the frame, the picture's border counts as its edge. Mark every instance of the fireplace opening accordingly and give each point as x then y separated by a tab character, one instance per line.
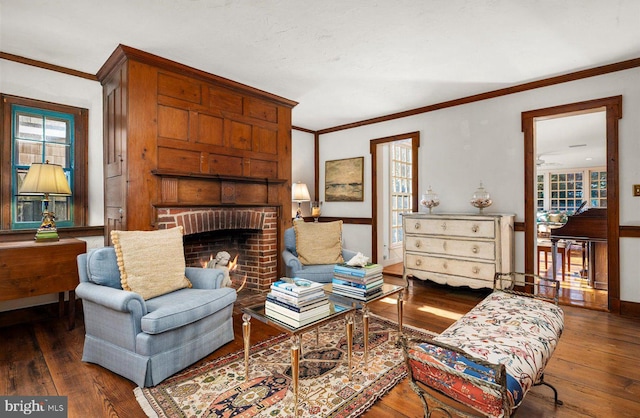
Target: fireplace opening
248	233
256	263
200	249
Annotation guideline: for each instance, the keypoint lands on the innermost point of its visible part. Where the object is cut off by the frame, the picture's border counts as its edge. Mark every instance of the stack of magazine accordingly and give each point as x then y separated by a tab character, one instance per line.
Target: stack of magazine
296	302
362	283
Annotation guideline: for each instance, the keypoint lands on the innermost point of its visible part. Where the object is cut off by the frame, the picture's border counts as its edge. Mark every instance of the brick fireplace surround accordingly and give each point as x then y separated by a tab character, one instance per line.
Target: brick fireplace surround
252	230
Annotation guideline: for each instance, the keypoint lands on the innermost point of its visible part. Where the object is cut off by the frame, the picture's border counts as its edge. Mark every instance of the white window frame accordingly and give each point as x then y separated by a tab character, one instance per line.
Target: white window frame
587	189
405	181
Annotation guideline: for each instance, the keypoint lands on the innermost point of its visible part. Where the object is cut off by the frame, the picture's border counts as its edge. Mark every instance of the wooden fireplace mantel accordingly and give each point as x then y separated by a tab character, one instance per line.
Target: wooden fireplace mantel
221	177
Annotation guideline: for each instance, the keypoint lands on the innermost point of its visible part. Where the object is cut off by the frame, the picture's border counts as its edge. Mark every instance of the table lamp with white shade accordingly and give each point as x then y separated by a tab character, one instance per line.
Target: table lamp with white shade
299	194
46	179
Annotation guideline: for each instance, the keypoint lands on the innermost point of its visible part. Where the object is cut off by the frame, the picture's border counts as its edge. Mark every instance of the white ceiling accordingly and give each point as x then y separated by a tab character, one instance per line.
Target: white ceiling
342	60
572	141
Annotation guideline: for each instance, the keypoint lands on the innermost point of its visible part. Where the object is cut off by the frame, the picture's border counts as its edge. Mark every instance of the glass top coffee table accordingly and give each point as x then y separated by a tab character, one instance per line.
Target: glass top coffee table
362	305
336	311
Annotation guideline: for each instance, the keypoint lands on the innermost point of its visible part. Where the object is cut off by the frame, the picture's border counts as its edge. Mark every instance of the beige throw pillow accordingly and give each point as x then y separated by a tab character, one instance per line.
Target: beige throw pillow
151	263
319	242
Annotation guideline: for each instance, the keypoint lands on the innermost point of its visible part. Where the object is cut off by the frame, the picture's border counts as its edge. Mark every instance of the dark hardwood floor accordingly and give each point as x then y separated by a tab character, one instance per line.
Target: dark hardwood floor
596	367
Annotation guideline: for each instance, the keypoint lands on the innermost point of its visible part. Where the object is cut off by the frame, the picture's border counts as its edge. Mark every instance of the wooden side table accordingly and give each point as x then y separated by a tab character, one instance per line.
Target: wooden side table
29	268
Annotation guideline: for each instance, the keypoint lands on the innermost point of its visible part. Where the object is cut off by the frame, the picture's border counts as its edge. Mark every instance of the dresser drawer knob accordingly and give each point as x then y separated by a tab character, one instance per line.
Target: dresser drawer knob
444	246
475	228
418	262
444	265
475	249
443	226
418	244
416	225
476	270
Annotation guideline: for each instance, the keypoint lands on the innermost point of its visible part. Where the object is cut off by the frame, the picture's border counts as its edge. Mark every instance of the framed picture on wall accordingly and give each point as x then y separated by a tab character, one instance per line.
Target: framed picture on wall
343	180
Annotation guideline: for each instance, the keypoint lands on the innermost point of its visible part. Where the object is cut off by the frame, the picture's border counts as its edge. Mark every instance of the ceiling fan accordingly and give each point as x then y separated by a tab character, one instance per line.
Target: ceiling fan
540	162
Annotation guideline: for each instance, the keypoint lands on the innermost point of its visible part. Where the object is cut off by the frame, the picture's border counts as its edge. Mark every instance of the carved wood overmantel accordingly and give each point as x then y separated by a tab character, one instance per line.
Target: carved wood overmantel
178	136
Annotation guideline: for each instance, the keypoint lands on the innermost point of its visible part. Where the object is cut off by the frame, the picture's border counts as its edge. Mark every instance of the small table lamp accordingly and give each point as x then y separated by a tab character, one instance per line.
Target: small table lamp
299	194
46	179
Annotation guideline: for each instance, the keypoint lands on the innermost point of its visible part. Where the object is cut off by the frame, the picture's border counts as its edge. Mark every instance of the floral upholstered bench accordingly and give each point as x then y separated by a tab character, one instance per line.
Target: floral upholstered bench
490	358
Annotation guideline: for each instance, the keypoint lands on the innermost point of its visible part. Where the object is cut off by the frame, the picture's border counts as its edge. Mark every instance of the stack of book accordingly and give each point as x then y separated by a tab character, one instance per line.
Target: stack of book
362	283
296	302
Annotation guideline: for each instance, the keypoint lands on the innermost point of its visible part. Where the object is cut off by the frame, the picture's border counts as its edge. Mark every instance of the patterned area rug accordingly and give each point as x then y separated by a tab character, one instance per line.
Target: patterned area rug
219	388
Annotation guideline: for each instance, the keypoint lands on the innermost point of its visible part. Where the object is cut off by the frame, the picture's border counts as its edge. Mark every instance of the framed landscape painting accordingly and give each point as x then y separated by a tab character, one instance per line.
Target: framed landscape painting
343	180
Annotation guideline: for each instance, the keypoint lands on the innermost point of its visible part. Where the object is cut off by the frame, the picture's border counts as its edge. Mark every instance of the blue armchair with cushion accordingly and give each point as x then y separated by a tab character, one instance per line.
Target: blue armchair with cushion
322	273
147	341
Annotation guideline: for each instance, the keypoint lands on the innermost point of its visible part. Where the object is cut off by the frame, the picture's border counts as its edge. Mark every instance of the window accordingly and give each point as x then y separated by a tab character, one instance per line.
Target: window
566	190
35	131
401	187
598	189
40	136
540	192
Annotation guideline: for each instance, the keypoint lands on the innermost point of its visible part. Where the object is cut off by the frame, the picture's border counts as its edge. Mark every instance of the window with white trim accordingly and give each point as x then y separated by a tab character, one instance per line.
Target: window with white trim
540	192
401	187
598	188
566	190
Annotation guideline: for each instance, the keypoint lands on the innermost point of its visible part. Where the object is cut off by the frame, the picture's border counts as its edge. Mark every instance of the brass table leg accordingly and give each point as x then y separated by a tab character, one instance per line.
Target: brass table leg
246	333
365	331
295	369
349	325
400	303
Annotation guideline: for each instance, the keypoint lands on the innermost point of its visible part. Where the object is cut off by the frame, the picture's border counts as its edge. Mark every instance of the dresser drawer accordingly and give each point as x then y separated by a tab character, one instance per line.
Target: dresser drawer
481	228
484	250
464	268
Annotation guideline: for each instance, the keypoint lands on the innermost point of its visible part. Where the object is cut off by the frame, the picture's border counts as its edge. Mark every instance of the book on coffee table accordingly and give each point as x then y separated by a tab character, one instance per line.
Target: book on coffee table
368	270
296	286
296	323
271	308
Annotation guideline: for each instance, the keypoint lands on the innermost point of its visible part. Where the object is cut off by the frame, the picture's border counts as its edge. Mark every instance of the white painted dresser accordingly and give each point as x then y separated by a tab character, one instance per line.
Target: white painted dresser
458	249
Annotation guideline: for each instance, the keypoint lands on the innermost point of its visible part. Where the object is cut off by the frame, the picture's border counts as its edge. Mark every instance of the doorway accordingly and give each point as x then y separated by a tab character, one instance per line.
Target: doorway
383	224
571	186
612	108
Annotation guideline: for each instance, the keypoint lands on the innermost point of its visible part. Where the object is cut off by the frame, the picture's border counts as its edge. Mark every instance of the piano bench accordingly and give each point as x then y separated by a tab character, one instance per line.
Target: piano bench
544	247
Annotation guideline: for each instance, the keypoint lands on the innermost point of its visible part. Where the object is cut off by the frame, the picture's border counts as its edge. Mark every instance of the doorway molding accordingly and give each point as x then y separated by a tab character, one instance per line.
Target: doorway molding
373	149
613	107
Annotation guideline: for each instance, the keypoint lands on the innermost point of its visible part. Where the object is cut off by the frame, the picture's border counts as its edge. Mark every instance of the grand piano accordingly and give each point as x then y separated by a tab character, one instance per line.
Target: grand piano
590	229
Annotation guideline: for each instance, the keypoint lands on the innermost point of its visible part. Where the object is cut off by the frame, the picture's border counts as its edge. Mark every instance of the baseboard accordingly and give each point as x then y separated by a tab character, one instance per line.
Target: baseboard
630	309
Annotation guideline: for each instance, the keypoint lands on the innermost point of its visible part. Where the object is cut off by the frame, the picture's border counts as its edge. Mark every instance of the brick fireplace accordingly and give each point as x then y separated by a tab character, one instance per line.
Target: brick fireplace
249	232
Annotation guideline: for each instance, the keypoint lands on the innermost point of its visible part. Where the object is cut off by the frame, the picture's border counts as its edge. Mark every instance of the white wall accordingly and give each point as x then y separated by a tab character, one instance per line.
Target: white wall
35	83
302	147
356	237
483	141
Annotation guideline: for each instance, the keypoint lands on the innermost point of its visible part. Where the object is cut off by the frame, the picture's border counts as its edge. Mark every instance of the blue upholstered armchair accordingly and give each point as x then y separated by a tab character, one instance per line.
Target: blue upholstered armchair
322	273
147	341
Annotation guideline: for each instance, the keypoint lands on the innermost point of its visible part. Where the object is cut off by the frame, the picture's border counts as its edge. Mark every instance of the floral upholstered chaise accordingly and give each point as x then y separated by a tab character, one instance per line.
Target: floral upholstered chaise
490	358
